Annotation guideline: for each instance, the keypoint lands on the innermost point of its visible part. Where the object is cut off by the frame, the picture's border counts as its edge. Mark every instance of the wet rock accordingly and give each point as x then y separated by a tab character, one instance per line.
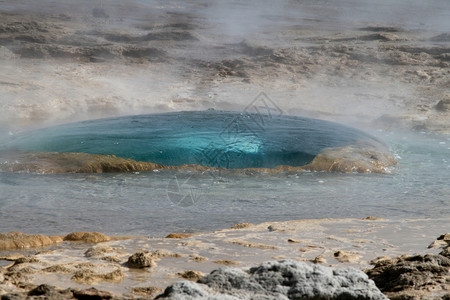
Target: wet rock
146	291
319	260
226	262
87	237
190	275
441	242
13	297
97	251
444	37
346	257
92	293
197	258
49	292
445	252
352	159
241	225
278	280
58	269
407	276
372	218
89	276
178	236
141	260
18	240
443	105
294	241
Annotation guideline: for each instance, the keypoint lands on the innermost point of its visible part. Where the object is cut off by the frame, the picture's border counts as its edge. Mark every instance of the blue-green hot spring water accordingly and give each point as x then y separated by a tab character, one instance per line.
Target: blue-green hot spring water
229	140
184	200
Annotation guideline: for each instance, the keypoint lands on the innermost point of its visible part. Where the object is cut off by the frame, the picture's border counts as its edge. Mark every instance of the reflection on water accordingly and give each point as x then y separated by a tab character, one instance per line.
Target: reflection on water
146	203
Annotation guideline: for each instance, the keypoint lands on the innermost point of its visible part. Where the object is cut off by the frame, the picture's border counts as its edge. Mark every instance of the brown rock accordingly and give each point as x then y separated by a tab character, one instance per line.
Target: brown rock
411	275
226	262
57	269
161	253
190	275
371	218
97	251
346	257
89	276
197	258
178	236
444	237
141	260
241	225
437	244
445	252
352	159
87	237
45	291
319	260
146	291
293	241
18	240
92	293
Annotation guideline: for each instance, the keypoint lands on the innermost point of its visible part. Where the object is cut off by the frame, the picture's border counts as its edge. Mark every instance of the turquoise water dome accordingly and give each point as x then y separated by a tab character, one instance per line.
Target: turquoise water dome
210	138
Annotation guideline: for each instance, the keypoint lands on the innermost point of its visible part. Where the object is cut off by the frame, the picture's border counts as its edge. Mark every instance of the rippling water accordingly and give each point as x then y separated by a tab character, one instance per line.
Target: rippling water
156	203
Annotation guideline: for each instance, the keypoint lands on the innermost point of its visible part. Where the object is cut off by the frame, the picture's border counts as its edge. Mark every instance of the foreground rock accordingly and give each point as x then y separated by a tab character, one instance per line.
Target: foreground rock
281	280
414	277
18	240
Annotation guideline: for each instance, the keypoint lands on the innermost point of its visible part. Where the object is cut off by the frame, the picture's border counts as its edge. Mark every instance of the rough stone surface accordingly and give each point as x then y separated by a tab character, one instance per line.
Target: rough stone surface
178	236
50	292
141	260
86	237
92	293
443	105
411	277
18	240
278	280
89	276
190	275
146	291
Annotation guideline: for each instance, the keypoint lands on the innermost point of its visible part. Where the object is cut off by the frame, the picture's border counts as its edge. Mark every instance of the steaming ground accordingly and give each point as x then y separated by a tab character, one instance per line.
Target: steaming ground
75	61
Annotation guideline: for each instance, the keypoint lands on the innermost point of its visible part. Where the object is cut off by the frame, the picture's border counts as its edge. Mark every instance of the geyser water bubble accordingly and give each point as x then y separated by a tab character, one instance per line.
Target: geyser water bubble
209	138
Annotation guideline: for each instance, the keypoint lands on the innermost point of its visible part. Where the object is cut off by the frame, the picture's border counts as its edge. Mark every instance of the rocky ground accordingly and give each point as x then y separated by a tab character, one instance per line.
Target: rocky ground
402	267
66	62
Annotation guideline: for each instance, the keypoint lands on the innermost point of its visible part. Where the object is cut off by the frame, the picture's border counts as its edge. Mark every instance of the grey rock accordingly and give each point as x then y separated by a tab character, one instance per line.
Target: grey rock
443	105
278	280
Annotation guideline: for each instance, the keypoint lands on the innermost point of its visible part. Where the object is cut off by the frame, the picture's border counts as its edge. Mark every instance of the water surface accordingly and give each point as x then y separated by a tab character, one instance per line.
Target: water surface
147	203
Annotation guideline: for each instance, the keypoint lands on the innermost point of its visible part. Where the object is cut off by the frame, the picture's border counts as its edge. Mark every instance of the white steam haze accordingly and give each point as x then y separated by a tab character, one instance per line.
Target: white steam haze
306	55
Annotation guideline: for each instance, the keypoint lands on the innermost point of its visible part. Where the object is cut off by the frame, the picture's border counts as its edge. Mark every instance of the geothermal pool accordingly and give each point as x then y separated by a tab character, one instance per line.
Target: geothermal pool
221	139
156	203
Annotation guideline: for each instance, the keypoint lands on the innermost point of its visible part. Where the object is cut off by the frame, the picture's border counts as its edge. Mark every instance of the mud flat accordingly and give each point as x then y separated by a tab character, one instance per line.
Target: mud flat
137	266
